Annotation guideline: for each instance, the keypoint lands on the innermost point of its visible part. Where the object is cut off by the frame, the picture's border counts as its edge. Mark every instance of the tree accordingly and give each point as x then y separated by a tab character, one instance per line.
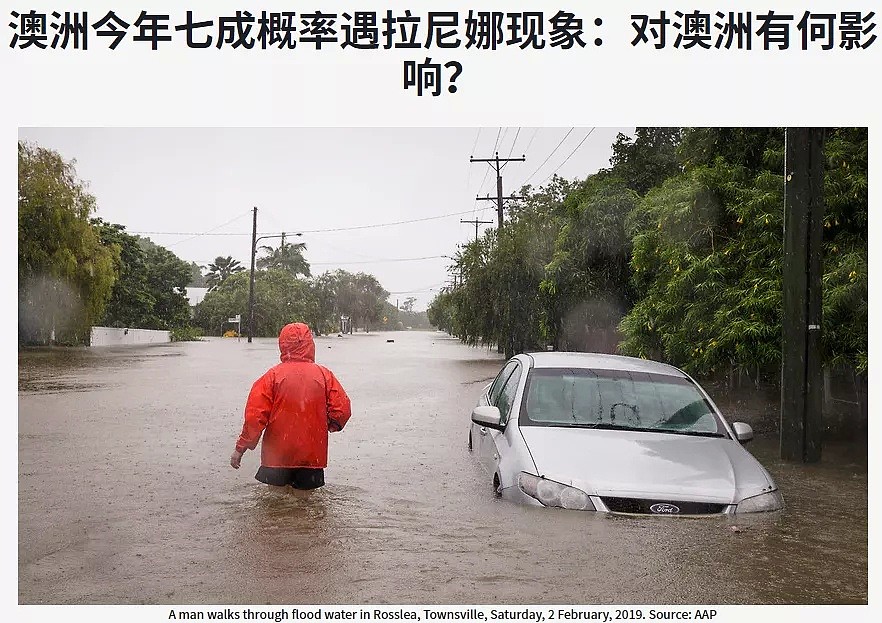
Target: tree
647	159
708	255
369	297
408	303
167	279
148	293
441	312
287	257
197	279
586	290
220	269
65	274
131	301
279	299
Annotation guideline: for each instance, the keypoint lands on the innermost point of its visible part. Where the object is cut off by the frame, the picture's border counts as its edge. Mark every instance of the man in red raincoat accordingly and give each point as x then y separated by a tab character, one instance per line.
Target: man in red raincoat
294	405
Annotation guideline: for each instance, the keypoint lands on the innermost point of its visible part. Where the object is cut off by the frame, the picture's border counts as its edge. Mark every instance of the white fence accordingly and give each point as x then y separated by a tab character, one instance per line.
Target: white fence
107	336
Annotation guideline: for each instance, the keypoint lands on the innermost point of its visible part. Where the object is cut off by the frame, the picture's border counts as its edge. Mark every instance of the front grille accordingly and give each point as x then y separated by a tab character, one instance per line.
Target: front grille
661	507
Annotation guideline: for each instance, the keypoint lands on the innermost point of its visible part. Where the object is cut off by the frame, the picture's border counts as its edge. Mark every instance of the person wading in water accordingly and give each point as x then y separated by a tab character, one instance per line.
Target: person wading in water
294	405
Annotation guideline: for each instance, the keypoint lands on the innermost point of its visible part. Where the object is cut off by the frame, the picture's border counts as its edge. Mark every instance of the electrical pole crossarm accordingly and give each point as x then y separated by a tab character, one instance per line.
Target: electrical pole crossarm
497	159
488	198
497	163
476	222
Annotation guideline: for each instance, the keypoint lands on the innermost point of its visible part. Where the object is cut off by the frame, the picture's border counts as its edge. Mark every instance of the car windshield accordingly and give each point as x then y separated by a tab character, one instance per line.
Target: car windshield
617	399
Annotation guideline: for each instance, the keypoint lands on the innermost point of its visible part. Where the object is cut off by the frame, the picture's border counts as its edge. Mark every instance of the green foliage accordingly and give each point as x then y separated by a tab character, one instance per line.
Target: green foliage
441	312
167	278
647	159
186	334
288	257
197	279
220	269
706	265
65	274
846	267
401	319
707	258
130	300
148	292
586	289
680	244
279	299
755	149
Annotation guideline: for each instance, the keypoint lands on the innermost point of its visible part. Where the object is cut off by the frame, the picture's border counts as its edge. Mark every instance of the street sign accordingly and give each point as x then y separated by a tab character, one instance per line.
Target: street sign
238	318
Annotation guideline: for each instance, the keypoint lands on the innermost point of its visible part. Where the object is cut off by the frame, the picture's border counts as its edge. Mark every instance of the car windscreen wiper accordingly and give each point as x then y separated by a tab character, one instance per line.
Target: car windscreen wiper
605	426
643	429
693	433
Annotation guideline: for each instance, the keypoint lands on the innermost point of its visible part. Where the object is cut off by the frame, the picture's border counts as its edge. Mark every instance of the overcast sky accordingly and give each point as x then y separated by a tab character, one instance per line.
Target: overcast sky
181	182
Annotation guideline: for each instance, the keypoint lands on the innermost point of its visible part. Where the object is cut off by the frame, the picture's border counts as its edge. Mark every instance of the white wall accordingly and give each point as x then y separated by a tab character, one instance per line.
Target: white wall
107	336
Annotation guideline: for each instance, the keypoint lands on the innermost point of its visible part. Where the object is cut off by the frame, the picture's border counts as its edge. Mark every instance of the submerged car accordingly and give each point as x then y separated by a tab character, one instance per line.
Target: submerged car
614	434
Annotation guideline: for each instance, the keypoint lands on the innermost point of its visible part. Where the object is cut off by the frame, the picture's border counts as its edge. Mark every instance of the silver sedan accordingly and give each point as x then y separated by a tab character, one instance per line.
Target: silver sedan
614	434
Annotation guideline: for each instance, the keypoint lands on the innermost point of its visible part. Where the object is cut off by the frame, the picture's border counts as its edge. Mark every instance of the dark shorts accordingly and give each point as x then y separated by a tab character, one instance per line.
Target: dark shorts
297	477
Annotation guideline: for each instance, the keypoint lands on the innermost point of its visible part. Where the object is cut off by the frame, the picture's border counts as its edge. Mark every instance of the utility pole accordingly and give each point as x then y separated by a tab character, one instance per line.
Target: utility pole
476	223
497	163
254	239
251	281
801	375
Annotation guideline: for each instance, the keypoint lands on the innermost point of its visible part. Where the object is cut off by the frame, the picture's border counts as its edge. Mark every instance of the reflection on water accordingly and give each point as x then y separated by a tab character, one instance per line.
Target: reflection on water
126	496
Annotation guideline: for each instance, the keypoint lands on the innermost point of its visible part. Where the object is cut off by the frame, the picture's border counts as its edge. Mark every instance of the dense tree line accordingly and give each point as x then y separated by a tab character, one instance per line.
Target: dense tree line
674	252
76	271
281	296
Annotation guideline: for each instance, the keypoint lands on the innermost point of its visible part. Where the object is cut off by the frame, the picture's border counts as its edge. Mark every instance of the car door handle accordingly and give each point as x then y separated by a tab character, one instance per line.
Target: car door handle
482	430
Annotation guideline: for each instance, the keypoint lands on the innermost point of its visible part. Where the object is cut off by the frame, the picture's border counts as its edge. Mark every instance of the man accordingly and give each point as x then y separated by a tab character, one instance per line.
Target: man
297	403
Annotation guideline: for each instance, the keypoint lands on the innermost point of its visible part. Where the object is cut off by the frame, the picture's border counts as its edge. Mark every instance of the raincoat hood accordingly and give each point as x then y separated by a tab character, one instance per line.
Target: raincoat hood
296	343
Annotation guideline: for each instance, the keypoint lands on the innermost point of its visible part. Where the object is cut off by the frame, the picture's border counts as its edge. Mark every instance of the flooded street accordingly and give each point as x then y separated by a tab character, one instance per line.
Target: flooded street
126	496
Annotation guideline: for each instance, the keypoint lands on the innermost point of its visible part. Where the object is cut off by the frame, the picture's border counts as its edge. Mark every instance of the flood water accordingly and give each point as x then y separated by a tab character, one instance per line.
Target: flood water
126	496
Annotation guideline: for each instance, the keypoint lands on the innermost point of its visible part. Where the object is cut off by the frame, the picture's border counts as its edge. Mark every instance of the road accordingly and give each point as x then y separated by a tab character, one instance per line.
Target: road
126	497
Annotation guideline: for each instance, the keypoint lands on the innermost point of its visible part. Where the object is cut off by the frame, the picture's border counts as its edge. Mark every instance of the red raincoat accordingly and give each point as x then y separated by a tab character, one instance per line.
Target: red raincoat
297	403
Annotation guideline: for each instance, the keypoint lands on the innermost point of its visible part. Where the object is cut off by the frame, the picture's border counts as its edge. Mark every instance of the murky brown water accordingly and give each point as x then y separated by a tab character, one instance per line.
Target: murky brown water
126	496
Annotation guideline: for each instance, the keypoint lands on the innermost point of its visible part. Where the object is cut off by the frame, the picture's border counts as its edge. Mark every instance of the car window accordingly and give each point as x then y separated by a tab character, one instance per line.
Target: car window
499	382
617	399
506	396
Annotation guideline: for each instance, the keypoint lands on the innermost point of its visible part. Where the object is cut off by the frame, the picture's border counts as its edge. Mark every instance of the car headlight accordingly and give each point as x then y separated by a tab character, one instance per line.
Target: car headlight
762	503
552	493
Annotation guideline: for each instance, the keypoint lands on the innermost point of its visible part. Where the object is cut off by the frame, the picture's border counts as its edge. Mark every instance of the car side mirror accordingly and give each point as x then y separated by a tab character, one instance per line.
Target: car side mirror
743	432
487	416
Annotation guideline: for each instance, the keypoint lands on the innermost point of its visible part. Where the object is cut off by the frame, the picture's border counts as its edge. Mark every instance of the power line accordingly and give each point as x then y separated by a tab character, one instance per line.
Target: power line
205	233
530	142
390	224
570	156
549	157
474	146
189	233
483	179
477	136
303	231
426	289
398	259
514	142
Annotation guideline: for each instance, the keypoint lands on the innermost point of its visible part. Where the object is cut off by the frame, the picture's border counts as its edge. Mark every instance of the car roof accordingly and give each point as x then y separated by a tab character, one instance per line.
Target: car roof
602	362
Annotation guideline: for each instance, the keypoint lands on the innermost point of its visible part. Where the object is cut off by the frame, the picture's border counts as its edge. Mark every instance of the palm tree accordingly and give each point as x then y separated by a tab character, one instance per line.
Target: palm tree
288	257
220	269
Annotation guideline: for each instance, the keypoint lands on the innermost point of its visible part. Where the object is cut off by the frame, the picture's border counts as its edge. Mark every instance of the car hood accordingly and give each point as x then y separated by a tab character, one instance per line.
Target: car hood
647	465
